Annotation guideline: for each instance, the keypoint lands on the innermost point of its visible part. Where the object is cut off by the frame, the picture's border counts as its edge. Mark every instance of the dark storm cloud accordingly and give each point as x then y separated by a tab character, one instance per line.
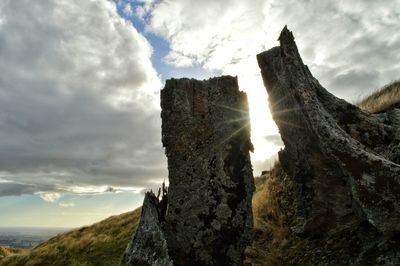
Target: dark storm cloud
77	101
346	83
14	189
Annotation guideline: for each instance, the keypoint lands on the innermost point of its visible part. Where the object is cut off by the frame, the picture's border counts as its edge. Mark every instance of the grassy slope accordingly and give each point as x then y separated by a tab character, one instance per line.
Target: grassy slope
382	99
102	243
6	252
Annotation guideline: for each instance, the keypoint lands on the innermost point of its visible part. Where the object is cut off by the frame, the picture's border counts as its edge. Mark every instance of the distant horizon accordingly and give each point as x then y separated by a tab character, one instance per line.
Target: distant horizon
35	227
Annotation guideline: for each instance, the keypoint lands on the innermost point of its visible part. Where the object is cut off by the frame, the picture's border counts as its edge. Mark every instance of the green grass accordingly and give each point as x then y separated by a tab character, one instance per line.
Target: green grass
102	243
382	99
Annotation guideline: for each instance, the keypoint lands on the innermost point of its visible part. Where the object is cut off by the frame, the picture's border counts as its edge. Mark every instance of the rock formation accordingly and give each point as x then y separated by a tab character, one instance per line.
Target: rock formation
344	161
149	245
208	220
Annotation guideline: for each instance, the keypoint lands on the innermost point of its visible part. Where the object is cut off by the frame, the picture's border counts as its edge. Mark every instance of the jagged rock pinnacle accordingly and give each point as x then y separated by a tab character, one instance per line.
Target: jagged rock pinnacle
343	159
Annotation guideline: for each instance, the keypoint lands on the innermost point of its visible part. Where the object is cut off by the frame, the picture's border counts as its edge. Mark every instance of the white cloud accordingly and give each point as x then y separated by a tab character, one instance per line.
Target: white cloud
336	38
223	36
142	8
78	98
93	190
351	47
66	204
213	33
128	9
49	196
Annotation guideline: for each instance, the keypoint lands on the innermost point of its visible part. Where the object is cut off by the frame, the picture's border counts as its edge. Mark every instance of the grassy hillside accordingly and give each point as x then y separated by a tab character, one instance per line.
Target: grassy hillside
102	243
7	252
383	99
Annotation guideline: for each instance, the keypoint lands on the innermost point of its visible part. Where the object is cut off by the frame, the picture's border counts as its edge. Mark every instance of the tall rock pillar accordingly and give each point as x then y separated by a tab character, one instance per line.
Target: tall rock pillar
206	135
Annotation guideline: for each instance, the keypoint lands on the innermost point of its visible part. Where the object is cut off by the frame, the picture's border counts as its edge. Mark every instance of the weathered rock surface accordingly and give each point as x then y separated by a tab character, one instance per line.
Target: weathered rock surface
205	131
149	244
206	135
344	161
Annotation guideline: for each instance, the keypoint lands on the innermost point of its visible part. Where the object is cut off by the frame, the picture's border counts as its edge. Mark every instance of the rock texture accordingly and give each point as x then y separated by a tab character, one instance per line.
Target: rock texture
149	244
344	146
206	135
344	161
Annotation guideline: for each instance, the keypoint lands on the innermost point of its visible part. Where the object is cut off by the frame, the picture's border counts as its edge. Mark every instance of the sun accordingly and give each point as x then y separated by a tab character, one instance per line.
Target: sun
262	124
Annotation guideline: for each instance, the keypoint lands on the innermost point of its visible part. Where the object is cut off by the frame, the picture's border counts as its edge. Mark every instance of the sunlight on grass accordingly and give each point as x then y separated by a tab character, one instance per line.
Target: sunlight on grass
382	99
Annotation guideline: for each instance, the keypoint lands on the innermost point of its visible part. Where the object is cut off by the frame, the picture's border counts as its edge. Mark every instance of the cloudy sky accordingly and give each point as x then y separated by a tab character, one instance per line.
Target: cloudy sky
80	81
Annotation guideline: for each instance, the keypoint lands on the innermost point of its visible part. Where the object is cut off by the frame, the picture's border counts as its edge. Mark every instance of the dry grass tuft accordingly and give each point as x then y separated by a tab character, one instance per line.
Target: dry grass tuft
7	252
271	217
383	99
268	216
